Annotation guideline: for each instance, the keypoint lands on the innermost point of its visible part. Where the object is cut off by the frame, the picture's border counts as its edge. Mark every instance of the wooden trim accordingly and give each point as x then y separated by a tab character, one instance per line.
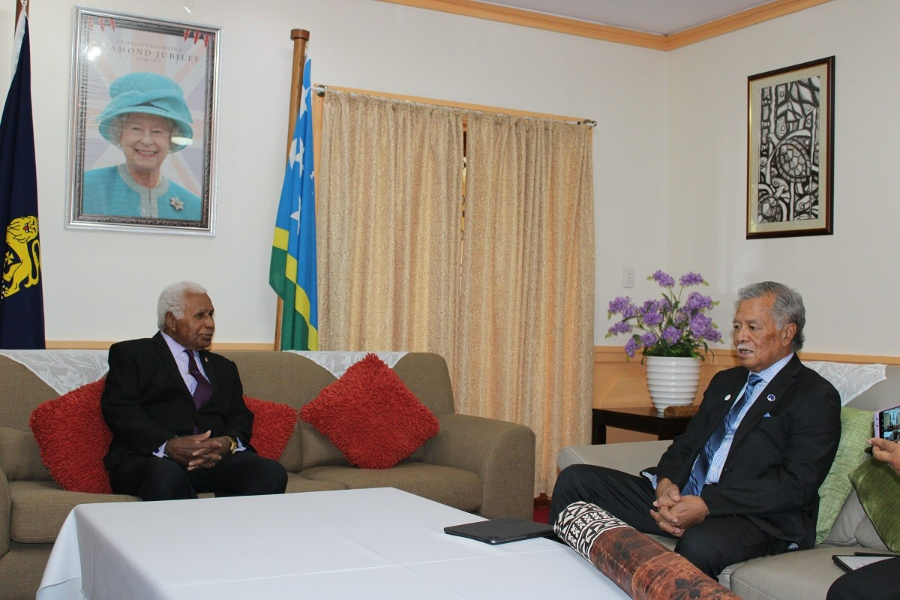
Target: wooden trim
101	345
741	20
615	354
619	35
452	104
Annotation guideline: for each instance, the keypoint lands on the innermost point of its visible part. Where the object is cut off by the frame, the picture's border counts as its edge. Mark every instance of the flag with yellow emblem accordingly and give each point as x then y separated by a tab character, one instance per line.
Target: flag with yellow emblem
21	293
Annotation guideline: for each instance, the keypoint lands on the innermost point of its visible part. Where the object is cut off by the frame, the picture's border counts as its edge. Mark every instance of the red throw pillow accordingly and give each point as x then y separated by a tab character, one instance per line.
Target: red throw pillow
273	424
74	438
371	416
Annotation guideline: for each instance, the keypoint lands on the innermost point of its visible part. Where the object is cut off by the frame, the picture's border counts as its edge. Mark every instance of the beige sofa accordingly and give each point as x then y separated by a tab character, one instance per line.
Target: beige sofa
478	465
799	575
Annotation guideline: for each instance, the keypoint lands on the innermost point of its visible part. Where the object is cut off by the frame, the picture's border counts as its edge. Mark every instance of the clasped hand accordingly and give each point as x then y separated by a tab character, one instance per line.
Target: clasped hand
198	451
675	513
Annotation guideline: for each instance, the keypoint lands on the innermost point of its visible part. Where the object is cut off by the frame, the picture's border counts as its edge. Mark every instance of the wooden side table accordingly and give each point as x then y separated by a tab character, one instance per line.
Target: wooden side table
643	419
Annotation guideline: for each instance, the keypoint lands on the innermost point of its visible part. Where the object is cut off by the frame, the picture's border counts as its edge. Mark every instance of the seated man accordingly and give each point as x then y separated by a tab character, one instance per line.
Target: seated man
743	479
179	423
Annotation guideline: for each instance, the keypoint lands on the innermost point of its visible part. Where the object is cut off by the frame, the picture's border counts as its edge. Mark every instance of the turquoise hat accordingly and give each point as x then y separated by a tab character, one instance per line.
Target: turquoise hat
150	94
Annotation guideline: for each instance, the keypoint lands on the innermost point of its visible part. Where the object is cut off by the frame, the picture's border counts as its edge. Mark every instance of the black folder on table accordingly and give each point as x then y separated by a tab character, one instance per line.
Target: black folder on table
501	531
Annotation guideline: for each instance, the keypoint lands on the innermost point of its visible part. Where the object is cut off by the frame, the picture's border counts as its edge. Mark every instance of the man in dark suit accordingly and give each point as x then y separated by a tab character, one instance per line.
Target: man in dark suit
179	423
743	479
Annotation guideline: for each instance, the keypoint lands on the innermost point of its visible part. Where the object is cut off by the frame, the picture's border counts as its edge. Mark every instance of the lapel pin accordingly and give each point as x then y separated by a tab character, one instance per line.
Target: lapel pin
728	397
771	397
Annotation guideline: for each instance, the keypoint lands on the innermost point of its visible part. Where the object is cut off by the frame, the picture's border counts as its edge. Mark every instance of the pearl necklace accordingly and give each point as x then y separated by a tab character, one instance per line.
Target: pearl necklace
158	181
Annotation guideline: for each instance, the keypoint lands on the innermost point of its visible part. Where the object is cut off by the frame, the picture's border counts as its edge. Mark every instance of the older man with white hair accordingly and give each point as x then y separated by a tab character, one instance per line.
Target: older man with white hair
180	426
743	479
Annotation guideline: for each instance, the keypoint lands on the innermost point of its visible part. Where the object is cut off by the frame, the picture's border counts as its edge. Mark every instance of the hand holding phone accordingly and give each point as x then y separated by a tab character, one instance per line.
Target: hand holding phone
887	423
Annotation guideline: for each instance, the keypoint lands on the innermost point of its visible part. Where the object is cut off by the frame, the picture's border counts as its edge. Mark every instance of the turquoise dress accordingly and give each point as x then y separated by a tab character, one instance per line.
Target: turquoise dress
111	191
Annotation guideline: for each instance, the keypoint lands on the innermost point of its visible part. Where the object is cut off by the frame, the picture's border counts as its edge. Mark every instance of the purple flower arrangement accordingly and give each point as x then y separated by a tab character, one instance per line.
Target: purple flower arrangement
670	327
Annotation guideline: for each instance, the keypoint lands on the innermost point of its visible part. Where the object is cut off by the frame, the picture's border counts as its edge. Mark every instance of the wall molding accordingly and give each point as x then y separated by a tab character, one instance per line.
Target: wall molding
536	20
104	345
620	382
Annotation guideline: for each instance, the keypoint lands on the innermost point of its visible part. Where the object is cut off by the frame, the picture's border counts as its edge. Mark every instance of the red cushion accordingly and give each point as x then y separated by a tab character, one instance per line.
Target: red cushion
273	424
371	416
74	438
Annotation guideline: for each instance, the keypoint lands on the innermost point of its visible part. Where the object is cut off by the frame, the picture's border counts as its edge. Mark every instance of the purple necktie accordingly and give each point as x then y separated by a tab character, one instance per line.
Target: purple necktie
701	465
204	389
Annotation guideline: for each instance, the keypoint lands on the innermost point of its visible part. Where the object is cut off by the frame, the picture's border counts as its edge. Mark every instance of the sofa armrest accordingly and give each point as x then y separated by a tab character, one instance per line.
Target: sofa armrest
501	453
5	512
629	457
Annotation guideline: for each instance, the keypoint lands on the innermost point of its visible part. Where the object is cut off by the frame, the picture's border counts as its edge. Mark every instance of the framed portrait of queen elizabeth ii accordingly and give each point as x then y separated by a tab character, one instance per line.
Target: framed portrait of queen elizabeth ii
142	153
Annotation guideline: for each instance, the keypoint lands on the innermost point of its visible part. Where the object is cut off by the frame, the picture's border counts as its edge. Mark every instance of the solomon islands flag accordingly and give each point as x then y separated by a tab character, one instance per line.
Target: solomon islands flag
292	270
21	293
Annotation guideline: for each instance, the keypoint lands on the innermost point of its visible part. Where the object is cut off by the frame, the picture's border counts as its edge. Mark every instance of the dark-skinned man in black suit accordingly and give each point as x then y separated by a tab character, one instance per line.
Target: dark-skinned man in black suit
738	483
180	426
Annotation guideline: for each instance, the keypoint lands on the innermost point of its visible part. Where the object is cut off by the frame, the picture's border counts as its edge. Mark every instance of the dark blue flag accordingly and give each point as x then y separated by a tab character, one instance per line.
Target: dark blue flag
21	292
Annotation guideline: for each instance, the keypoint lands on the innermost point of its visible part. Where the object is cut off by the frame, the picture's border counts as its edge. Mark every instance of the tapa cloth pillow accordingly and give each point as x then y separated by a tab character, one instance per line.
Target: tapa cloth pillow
878	488
74	438
371	416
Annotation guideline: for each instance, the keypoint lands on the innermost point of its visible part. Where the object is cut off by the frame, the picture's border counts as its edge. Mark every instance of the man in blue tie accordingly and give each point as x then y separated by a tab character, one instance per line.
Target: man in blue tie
179	423
743	479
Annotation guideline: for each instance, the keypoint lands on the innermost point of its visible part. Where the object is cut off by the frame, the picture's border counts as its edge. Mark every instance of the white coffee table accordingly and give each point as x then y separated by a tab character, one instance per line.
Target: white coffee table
372	543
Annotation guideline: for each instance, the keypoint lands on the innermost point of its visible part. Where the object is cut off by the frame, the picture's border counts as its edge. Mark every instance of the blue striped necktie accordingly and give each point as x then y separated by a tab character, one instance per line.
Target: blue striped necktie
701	465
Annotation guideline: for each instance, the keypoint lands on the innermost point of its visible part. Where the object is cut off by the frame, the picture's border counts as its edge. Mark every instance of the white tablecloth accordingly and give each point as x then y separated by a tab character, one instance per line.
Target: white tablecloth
374	543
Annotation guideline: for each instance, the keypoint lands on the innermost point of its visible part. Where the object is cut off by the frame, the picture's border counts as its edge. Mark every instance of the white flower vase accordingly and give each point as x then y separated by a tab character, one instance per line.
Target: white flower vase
672	381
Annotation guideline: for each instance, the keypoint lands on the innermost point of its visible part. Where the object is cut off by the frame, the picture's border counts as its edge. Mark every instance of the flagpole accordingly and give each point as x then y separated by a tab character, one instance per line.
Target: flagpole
300	38
20	6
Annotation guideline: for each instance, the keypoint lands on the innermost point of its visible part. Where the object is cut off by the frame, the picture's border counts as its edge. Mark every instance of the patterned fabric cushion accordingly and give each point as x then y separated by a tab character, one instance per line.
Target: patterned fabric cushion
642	567
856	429
74	438
878	487
371	416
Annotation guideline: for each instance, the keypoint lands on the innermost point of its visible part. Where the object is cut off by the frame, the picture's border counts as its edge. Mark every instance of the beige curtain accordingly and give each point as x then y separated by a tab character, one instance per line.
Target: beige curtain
389	214
526	309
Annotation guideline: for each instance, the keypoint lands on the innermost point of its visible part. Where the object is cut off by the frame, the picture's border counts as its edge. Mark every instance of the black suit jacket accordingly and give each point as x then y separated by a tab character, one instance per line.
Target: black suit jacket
146	402
780	454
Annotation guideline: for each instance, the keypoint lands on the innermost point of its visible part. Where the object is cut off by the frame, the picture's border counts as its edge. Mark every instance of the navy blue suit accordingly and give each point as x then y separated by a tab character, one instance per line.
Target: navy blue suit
781	452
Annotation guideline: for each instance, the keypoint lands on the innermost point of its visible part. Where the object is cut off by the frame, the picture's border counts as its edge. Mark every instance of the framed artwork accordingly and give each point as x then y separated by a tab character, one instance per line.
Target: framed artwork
790	161
142	147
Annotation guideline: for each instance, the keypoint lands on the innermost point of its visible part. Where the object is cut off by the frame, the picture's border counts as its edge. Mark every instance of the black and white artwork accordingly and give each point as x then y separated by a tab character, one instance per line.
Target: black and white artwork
791	146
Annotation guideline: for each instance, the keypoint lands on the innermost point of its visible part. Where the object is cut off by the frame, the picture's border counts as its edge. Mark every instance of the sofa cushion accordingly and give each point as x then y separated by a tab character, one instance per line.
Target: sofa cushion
856	429
877	486
74	438
273	425
447	485
803	574
371	416
20	456
843	532
298	483
38	509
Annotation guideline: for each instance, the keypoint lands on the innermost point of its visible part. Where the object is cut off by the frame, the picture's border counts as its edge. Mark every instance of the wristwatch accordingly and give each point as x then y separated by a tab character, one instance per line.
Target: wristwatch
233	444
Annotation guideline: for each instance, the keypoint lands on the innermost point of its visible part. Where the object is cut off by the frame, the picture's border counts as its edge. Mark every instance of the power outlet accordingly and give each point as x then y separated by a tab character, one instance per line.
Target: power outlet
628	277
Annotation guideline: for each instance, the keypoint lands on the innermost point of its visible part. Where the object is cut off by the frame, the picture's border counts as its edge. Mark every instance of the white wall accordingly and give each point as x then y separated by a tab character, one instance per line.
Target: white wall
103	286
848	280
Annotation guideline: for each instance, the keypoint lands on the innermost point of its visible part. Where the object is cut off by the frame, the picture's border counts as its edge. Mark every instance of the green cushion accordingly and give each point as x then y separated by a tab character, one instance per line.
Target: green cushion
856	429
878	488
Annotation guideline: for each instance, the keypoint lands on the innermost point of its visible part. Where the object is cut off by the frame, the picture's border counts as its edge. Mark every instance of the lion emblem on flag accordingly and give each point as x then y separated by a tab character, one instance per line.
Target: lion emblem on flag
22	260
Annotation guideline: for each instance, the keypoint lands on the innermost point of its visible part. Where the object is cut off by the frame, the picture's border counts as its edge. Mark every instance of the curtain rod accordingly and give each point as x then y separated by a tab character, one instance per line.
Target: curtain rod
321	89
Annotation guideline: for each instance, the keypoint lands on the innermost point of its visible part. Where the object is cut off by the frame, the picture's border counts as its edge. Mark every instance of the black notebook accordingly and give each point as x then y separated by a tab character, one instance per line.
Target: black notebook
501	531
